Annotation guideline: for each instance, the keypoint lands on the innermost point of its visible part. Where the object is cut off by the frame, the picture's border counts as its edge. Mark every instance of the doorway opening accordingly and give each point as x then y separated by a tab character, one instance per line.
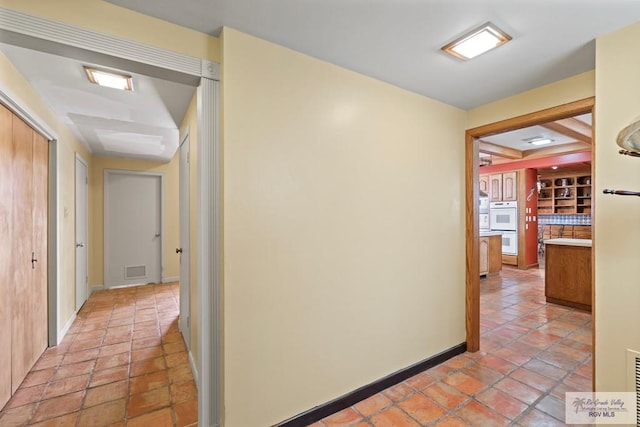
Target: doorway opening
533	194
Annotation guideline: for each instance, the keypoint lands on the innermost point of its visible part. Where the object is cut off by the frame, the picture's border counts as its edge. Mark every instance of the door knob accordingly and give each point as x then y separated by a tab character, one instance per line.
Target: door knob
178	250
80	245
33	260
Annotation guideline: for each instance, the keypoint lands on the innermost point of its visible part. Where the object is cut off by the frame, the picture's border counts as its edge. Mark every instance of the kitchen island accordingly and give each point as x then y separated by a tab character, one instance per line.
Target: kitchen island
490	252
568	272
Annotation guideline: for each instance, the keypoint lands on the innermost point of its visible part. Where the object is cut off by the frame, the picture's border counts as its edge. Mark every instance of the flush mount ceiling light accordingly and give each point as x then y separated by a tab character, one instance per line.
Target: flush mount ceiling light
538	140
477	42
109	79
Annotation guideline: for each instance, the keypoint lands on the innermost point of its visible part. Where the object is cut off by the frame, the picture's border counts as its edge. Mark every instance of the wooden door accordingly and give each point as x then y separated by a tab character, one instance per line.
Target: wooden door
495	187
509	186
6	248
29	162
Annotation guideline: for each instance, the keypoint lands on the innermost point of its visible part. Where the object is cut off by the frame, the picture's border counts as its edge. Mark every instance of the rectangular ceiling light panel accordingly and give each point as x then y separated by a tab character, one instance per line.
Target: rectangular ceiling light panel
477	42
109	79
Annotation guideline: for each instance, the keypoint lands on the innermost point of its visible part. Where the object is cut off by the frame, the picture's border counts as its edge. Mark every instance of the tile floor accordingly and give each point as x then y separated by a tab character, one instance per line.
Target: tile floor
531	353
123	362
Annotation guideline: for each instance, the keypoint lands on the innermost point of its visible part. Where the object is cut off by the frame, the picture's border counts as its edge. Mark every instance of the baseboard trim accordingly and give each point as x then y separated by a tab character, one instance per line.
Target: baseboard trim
171	279
66	328
351	398
94	288
194	370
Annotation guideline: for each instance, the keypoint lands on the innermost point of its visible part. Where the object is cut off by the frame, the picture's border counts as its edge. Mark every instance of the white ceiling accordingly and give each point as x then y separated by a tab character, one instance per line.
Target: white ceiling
141	124
517	138
399	41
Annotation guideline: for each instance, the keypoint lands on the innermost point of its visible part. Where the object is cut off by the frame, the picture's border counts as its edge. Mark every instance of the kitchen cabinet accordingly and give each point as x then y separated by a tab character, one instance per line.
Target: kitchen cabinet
490	253
484	183
565	194
501	187
565	231
568	275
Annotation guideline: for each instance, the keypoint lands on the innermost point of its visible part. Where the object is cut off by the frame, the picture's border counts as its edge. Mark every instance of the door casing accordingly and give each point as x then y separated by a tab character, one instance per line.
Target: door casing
185	242
82	231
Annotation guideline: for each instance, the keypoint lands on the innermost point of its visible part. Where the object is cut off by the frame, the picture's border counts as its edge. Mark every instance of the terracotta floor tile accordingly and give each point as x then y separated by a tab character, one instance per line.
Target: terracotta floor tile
421	408
180	374
101	415
110	350
502	403
451	421
85	344
117	338
545	369
160	418
398	392
171	337
393	417
66	386
533	379
38	377
536	418
80	356
186	413
518	390
18	416
144	383
112	361
90	335
483	374
58	406
441	371
146	333
464	383
447	396
421	381
181	392
479	415
48	361
26	395
497	364
106	393
552	406
373	404
174	347
109	375
345	417
147	366
148	401
68	420
175	359
146	342
146	353
75	369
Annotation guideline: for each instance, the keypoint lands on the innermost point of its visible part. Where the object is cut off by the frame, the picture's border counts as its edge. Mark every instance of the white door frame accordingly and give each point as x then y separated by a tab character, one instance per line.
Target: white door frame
185	237
55	37
107	232
85	208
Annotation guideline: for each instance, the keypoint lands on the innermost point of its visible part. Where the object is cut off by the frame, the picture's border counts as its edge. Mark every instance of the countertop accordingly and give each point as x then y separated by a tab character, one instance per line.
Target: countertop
569	242
490	233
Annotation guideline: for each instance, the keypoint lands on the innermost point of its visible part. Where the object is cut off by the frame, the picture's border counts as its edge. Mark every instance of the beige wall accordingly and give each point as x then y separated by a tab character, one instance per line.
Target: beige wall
561	92
23	93
617	230
343	230
171	231
190	126
110	19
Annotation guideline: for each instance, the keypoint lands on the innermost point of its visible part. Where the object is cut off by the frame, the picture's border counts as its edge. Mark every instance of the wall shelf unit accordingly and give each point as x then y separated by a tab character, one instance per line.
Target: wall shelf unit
565	194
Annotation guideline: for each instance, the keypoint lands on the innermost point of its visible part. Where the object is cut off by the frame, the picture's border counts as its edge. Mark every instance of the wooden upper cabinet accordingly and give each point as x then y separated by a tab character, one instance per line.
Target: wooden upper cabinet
484	183
510	186
495	187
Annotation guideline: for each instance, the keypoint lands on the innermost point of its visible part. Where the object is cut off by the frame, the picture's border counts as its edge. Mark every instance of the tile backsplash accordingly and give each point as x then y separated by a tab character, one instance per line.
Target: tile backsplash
564	219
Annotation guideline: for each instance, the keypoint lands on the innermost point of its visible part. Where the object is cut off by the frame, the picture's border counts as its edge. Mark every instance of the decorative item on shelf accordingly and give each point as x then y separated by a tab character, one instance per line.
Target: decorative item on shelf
629	139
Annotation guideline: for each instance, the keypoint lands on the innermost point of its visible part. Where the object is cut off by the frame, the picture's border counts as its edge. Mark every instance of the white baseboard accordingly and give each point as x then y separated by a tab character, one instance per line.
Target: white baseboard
66	328
194	370
94	288
171	279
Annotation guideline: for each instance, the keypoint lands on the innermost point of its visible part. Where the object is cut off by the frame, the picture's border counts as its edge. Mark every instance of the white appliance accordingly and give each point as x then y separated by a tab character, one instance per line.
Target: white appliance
483	209
504	217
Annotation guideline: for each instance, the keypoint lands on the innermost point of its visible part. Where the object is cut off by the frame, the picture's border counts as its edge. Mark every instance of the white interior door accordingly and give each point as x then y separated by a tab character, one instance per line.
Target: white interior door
185	253
132	228
82	232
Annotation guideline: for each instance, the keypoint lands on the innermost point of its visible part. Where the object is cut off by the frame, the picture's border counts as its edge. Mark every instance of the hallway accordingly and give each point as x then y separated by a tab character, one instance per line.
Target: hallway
123	362
531	354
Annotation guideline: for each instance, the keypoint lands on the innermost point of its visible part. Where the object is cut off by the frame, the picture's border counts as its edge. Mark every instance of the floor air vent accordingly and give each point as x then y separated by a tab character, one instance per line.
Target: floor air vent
135	272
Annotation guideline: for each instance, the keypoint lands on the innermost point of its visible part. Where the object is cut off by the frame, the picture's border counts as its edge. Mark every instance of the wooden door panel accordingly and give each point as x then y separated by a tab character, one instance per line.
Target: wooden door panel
6	239
38	293
22	220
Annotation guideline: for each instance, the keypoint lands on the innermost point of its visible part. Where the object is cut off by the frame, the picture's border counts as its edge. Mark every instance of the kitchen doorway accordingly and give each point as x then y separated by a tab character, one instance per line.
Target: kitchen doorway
473	142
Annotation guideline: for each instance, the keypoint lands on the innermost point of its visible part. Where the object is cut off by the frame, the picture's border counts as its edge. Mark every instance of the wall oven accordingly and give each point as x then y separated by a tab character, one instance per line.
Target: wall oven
504	217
